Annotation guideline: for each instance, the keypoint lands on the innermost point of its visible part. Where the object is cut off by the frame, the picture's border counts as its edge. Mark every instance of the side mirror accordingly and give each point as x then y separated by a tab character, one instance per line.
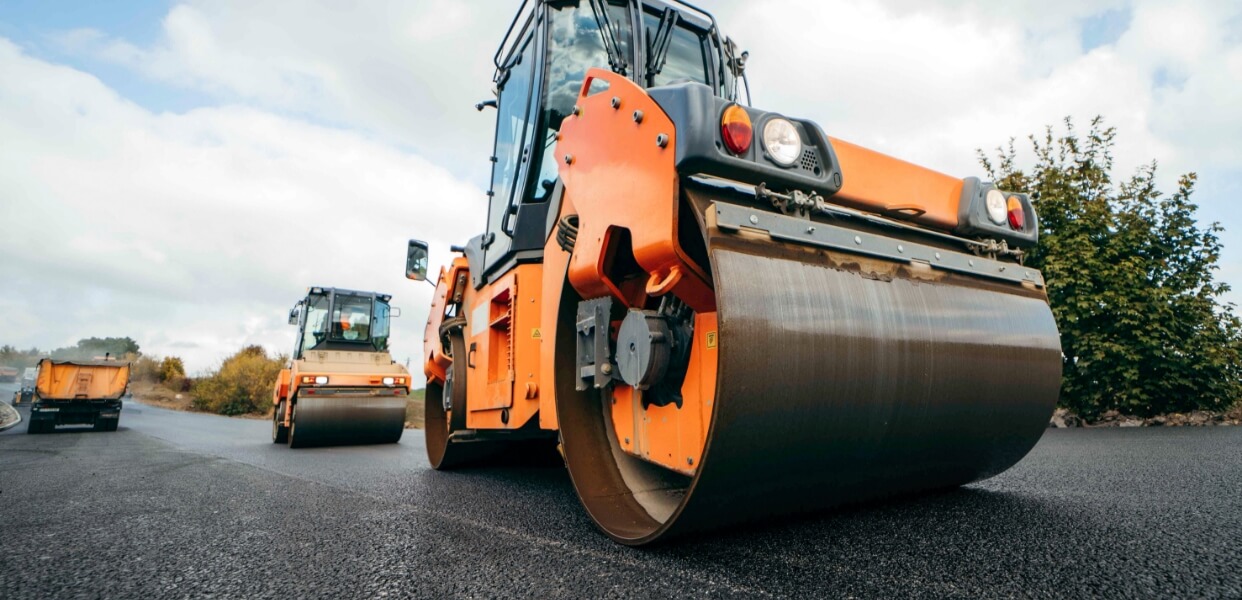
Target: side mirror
394	312
293	316
416	261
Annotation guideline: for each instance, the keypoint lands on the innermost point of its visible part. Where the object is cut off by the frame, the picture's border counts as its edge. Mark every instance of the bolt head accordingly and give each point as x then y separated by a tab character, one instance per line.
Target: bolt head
638	116
616	102
754	220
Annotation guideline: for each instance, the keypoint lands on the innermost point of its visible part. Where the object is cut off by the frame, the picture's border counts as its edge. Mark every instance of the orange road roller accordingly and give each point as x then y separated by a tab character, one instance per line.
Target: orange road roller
721	313
341	386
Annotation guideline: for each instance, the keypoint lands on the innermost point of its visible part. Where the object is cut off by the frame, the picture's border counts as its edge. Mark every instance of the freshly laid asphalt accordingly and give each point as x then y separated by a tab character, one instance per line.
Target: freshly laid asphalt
181	505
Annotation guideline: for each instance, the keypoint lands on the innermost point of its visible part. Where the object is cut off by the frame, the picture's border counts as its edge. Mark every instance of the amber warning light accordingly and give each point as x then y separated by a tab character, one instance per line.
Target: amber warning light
736	130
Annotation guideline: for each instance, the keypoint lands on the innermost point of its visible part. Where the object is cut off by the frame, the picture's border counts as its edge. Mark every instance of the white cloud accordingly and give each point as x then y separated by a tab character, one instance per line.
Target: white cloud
195	232
409	72
933	81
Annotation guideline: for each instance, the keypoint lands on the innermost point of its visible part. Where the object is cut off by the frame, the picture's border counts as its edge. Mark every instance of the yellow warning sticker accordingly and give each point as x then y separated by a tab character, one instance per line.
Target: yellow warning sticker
534	333
711	339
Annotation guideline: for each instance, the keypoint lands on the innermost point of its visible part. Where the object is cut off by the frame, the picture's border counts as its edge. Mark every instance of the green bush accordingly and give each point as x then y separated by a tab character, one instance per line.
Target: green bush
243	383
171	368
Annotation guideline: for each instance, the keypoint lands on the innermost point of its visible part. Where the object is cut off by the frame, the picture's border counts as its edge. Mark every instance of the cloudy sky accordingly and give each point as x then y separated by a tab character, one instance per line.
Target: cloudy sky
179	172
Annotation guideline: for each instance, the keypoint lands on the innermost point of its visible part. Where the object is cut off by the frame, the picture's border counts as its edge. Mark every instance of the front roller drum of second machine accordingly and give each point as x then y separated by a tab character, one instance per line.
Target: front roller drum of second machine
839	378
340	419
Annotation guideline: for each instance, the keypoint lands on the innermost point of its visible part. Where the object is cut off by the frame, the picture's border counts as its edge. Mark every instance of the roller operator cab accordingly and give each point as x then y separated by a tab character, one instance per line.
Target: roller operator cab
721	312
341	386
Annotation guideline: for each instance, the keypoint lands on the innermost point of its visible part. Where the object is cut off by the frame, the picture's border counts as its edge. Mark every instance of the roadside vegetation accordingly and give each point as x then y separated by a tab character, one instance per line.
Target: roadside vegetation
414	409
242	385
1131	280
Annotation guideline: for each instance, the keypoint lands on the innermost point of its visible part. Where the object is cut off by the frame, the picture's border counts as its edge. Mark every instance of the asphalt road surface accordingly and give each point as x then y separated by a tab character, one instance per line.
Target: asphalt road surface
186	505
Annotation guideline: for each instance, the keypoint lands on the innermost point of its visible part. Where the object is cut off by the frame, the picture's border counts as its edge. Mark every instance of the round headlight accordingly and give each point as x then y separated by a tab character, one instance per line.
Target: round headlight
996	206
781	140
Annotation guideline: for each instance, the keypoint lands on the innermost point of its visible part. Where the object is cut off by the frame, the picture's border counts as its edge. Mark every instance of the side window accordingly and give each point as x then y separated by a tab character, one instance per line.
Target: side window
316	328
511	131
687	58
380	326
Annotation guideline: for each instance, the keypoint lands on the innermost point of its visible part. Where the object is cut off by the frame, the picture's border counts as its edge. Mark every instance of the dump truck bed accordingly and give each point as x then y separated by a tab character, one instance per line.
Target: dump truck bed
81	379
78	392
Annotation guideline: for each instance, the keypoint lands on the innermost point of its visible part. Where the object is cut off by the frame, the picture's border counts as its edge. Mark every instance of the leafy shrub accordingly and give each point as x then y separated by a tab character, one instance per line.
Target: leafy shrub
243	383
171	368
1131	279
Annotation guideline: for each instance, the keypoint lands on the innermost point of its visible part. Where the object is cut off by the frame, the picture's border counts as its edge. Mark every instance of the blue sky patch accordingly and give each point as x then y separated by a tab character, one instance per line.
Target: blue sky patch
138	21
35	24
1105	28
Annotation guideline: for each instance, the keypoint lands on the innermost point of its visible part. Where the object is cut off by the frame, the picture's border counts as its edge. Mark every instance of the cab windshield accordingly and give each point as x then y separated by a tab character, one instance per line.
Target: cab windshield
351	318
576	42
348	318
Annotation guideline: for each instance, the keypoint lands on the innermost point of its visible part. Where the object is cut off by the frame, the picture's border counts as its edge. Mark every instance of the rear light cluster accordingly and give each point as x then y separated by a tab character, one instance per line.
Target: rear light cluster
394	381
316	379
735	129
1002	208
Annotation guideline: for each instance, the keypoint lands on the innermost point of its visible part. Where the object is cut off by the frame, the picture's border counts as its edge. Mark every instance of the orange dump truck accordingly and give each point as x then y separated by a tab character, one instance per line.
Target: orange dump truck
78	392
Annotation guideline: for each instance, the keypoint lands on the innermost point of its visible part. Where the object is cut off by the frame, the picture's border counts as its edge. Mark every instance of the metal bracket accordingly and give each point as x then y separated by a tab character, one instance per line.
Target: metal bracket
731	217
594	354
796	203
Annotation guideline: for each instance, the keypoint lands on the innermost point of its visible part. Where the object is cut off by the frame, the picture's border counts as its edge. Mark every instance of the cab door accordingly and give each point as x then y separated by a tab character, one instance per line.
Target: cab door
515	124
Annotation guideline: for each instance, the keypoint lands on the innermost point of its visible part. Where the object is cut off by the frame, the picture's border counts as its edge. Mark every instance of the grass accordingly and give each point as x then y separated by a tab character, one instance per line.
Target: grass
158	395
414	409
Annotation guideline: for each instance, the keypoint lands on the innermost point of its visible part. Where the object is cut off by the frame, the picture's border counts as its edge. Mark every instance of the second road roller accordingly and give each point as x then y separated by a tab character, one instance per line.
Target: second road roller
341	386
721	312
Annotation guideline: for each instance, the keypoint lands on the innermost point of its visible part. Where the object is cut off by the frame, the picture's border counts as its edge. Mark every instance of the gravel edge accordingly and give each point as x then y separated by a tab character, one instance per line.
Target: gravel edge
9	416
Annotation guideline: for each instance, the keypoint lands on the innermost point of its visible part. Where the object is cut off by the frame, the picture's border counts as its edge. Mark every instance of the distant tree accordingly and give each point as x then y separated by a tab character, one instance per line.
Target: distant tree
252	350
171	368
1130	279
93	346
10	356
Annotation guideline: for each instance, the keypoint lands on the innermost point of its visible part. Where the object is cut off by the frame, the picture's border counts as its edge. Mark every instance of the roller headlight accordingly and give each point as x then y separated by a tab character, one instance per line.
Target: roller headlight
389	381
782	142
997	209
320	380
